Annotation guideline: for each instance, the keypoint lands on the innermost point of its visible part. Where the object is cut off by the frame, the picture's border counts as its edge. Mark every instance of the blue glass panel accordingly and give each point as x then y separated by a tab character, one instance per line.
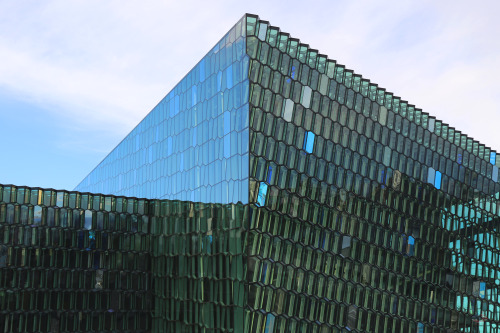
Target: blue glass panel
194	135
202	70
493	158
482	289
322	240
194	144
227	122
229	77
194	96
261	197
309	142
437	181
171	106
269	323
219	81
269	174
431	175
227	146
169	146
207	243
420	328
411	245
264	271
292	74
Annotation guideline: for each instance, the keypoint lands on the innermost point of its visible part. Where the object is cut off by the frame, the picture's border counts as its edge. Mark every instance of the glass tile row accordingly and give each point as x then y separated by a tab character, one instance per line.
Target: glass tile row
277	41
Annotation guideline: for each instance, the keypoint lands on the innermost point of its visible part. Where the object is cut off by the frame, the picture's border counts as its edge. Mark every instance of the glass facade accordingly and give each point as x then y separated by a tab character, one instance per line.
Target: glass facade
194	144
307	199
368	215
198	267
73	262
81	262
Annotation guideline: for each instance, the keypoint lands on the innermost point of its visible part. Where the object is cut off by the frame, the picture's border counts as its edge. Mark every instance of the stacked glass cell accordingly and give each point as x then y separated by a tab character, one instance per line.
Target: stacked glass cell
73	262
367	213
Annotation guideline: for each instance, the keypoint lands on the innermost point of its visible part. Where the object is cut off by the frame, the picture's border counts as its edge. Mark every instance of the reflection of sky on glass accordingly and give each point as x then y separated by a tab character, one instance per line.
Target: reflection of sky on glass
194	143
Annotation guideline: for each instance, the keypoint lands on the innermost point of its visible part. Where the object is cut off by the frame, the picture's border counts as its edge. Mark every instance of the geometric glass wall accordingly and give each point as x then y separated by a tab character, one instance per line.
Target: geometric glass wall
73	261
81	262
367	213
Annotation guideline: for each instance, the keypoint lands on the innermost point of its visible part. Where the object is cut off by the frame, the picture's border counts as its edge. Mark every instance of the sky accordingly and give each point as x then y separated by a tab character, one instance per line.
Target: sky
77	76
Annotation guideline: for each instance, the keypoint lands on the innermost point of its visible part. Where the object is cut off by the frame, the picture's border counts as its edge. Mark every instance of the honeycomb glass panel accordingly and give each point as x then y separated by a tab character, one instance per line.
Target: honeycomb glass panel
379	198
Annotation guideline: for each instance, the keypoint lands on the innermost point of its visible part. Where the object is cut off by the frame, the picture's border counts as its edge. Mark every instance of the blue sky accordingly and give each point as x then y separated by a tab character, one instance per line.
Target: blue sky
77	76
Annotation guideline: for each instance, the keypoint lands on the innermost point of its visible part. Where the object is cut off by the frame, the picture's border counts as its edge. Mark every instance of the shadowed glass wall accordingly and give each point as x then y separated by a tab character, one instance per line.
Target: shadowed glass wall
367	213
72	261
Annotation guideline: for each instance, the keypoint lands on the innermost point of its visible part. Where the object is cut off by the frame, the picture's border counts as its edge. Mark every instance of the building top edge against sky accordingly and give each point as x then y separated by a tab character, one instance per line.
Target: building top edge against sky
382	96
197	129
352	84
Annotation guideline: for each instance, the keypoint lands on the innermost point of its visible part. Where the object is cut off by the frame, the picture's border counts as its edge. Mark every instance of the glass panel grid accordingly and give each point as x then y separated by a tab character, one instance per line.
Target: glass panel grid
361	212
390	217
90	262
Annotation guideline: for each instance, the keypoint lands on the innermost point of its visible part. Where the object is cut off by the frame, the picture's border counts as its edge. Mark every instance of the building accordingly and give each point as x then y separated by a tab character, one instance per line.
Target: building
81	262
285	194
